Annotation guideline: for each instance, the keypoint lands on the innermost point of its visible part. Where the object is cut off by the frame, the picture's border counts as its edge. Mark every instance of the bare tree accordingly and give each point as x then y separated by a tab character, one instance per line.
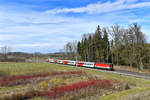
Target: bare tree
140	43
5	50
117	35
71	49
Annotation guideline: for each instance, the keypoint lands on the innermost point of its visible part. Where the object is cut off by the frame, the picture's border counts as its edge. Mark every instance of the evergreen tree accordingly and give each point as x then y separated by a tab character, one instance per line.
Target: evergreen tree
126	46
105	45
98	44
79	48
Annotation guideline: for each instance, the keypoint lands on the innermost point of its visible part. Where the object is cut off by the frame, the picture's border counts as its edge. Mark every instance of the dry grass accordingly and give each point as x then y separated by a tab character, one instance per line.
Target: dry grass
128	68
9	69
145	95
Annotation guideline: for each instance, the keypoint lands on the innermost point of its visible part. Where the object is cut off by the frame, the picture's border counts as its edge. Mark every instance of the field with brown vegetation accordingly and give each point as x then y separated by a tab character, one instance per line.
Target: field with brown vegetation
44	81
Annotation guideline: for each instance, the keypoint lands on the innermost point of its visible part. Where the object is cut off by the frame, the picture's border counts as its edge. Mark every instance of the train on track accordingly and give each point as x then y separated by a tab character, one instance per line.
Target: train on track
107	66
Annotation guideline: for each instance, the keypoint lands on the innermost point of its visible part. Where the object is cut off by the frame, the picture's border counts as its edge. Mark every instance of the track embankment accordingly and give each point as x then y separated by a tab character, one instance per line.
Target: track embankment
125	73
134	74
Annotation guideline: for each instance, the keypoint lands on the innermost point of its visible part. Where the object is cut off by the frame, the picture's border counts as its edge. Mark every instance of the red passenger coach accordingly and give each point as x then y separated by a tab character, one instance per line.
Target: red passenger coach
55	61
79	64
103	66
65	62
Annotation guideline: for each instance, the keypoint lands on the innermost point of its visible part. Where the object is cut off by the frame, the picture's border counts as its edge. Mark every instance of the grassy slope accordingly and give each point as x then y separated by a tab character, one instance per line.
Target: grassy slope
8	69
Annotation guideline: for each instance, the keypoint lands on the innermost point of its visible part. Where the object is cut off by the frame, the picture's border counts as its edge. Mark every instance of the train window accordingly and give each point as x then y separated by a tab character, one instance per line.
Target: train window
110	64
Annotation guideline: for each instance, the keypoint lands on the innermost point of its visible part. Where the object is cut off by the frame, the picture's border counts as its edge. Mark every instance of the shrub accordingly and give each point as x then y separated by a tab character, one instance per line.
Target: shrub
56	81
59	91
14	80
43	85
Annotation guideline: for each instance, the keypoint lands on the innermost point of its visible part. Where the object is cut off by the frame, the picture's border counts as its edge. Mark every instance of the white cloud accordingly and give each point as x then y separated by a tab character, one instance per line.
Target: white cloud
27	31
37	47
102	7
5	37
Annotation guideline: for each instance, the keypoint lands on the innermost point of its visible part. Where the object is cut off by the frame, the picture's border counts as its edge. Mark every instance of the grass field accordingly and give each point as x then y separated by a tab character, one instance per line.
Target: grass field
38	81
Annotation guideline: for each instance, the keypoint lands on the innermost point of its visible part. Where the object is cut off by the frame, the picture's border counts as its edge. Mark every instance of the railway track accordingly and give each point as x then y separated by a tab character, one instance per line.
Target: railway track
134	74
122	72
128	73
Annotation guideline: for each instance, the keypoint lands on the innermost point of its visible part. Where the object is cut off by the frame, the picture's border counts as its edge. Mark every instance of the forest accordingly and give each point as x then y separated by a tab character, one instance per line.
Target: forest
115	44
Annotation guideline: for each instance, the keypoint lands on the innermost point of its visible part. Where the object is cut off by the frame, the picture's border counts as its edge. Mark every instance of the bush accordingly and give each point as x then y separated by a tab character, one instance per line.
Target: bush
19	79
95	84
43	85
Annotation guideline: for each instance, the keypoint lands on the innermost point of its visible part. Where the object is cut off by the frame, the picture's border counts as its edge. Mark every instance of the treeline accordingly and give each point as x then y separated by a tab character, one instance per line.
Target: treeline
116	44
95	46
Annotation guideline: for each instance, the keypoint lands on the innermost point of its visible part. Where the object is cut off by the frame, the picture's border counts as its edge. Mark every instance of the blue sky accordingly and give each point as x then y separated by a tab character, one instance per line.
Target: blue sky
47	25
